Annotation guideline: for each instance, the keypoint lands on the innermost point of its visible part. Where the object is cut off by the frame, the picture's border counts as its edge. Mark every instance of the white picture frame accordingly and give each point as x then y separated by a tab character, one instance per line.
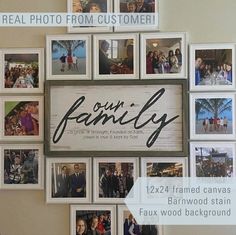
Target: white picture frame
222	149
121	71
54	187
164	43
14	178
220	103
80	61
110	163
15	60
207	58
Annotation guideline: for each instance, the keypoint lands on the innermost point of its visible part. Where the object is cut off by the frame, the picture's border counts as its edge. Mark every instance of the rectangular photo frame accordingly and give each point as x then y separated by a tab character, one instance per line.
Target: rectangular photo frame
113	178
67	137
163	55
22	167
85	6
68	57
213	159
23	118
68	180
212	116
127	224
146	7
212	67
22	70
164	167
86	218
116	56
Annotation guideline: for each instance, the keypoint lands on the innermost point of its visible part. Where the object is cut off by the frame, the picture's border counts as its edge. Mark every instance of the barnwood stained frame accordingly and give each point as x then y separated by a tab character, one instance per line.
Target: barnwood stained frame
116	150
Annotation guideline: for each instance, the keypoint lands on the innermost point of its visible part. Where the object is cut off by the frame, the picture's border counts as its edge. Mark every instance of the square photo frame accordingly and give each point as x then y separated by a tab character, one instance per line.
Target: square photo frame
23	118
116	56
68	180
212	67
114	178
128	224
22	166
164	55
213	159
147	7
22	70
85	218
89	6
68	57
212	116
164	167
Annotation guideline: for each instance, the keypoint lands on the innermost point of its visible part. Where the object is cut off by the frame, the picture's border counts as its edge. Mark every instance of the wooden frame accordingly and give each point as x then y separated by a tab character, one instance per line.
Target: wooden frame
112	91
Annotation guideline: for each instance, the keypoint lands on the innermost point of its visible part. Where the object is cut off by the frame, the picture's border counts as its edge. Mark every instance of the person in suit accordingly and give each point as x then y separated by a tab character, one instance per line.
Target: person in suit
93	227
141	6
104	62
63	184
149	230
77	182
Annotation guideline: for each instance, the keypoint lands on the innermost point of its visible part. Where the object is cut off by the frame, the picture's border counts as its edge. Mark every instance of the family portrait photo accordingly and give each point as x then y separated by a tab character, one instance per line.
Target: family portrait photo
212	68
68	180
213	160
165	55
21	166
90	220
136	6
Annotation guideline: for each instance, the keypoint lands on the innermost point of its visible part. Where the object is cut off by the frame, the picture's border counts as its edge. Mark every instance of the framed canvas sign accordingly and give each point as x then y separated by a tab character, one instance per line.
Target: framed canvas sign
100	117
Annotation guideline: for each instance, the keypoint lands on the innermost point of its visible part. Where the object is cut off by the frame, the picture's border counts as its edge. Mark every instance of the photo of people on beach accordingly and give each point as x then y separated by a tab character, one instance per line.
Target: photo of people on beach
21	70
68	57
21	118
136	6
215	161
213	67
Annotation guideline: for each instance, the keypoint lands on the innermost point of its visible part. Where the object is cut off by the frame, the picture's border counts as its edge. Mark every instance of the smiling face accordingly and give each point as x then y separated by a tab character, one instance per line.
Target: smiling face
77	6
80	226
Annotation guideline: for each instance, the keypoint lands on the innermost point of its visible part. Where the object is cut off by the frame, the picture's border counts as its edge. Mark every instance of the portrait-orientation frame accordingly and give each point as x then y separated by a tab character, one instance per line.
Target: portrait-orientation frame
211	46
49	198
50	39
222	145
40	53
133	27
40	184
74	208
100	29
164	36
97	38
121	209
50	149
193	98
21	138
181	160
96	178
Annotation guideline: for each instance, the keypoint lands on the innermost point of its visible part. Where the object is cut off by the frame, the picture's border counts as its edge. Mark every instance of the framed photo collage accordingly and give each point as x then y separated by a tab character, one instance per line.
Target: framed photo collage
112	105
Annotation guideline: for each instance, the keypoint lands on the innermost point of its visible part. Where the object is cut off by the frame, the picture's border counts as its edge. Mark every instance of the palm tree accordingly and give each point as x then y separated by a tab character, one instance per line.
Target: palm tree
214	106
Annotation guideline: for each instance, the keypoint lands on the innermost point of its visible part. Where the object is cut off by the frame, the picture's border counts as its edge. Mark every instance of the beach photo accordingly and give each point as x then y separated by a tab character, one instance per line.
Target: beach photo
164	167
212	66
68	57
212	116
23	70
92	219
116	56
22	166
68	180
213	160
165	55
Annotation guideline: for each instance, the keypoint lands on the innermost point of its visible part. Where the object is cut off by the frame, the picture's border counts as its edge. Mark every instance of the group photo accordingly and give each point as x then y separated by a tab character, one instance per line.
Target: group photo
89	6
136	6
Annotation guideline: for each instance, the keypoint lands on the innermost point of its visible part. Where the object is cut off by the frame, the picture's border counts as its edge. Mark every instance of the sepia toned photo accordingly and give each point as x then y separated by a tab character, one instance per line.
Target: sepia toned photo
114	179
23	70
22	166
92	219
116	56
165	55
68	180
164	167
213	160
212	67
68	57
